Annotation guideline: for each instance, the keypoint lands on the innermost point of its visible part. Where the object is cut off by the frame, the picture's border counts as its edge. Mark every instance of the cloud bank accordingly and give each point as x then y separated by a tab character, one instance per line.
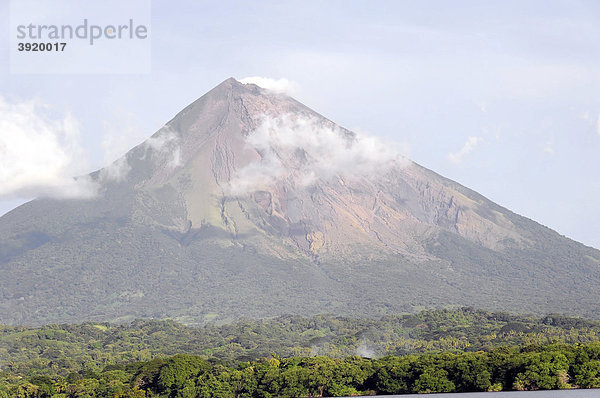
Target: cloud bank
468	147
40	153
284	86
309	149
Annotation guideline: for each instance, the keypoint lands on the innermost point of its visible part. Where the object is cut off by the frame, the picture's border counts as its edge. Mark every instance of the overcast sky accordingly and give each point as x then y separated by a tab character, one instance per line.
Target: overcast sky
502	97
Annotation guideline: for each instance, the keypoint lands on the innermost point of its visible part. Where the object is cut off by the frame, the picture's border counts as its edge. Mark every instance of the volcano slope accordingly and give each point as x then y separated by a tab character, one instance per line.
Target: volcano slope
249	204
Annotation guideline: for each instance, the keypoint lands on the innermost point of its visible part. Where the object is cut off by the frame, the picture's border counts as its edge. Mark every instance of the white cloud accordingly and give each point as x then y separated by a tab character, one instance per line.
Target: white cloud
598	125
162	147
279	86
176	159
467	148
165	148
40	153
161	142
256	176
116	171
310	149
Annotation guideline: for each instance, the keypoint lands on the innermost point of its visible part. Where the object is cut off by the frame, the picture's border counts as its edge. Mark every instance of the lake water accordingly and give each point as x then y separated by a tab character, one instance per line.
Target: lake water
591	393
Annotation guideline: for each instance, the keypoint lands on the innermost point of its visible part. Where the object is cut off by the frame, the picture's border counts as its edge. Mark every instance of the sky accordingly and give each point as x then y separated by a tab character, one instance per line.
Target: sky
502	97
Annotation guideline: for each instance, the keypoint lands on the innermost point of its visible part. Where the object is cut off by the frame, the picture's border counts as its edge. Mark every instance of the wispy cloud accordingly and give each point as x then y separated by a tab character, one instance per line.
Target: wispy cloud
363	350
175	160
120	135
277	85
40	152
163	147
308	149
468	147
116	171
162	141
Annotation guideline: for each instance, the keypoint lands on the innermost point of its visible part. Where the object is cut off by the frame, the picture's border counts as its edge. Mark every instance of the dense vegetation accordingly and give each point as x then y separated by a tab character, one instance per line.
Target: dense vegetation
440	350
530	368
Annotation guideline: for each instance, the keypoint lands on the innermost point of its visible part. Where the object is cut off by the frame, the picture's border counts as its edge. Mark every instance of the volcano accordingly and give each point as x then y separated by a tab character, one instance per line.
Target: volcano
248	204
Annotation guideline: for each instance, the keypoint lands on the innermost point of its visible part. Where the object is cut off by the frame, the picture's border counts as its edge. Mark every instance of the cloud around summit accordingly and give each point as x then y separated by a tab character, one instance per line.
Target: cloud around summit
282	85
470	144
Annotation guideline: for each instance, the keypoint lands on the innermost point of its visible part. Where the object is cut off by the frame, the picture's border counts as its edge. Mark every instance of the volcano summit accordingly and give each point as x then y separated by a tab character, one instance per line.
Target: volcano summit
250	204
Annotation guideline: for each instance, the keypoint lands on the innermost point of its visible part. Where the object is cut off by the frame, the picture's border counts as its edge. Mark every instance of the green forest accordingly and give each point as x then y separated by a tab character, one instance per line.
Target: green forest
432	351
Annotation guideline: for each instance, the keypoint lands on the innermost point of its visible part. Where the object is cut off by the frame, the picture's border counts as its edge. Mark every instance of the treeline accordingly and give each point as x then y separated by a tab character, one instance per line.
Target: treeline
528	368
57	350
